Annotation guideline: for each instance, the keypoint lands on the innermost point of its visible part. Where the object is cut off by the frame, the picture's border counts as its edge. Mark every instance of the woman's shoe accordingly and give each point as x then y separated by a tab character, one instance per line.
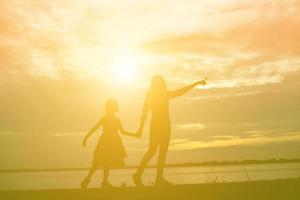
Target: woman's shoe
137	180
106	185
85	182
163	182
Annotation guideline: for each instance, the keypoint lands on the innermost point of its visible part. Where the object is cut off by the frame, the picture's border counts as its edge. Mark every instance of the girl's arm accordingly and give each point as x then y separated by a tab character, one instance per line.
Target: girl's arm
124	132
182	91
91	132
127	133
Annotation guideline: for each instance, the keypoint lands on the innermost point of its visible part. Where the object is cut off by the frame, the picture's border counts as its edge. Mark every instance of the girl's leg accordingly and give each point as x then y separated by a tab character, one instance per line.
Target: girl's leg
92	171
87	179
105	183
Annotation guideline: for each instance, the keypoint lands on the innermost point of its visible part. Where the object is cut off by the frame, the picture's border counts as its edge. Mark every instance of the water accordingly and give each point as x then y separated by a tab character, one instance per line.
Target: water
178	175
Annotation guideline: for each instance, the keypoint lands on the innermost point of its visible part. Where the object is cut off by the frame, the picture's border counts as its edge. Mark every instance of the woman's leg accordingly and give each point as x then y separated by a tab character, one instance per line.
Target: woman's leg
149	154
162	154
163	150
105	174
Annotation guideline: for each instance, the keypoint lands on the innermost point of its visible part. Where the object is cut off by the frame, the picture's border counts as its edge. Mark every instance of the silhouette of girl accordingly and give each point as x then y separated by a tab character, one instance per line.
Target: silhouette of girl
157	102
110	151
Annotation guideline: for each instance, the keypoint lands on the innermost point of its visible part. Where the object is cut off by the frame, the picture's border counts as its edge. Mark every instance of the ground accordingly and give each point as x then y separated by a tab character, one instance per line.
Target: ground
287	189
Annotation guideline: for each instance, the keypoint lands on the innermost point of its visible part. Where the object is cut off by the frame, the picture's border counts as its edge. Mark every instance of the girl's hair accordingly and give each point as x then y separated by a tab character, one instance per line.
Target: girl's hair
158	84
111	106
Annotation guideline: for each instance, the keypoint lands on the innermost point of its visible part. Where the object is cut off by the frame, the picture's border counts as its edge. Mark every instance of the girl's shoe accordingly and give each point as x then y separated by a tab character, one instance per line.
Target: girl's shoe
85	183
163	182
137	180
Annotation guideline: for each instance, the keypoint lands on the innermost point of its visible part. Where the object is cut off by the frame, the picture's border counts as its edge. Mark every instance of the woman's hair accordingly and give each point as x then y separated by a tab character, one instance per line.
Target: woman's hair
158	84
111	106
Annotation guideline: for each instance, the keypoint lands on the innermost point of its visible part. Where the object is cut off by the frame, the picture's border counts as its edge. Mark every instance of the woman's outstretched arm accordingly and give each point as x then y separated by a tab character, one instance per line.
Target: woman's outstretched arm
91	132
182	91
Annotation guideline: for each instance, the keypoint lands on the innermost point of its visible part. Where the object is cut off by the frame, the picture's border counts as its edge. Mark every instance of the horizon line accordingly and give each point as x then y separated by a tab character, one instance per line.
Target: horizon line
186	164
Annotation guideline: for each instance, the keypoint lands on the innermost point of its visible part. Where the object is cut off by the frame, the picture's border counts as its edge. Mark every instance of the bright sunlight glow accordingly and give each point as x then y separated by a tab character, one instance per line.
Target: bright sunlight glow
124	69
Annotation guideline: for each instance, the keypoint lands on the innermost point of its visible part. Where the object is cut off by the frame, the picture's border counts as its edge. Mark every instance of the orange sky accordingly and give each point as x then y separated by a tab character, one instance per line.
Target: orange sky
60	60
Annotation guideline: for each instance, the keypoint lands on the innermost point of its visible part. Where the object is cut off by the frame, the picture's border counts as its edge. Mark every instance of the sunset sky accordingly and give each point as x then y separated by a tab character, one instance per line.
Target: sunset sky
60	60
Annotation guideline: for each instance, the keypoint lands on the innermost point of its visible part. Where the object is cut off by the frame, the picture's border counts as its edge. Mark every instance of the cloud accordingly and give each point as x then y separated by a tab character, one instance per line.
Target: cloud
49	39
258	50
197	126
226	141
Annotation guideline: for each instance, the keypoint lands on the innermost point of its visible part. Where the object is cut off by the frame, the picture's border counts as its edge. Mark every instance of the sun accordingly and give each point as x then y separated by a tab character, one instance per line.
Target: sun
125	72
124	69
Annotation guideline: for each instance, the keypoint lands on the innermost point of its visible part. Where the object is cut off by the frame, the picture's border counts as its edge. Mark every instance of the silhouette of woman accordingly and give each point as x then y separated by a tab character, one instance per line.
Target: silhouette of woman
157	102
110	150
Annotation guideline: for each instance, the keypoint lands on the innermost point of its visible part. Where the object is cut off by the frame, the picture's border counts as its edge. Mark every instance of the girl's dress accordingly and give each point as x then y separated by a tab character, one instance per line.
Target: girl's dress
110	151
